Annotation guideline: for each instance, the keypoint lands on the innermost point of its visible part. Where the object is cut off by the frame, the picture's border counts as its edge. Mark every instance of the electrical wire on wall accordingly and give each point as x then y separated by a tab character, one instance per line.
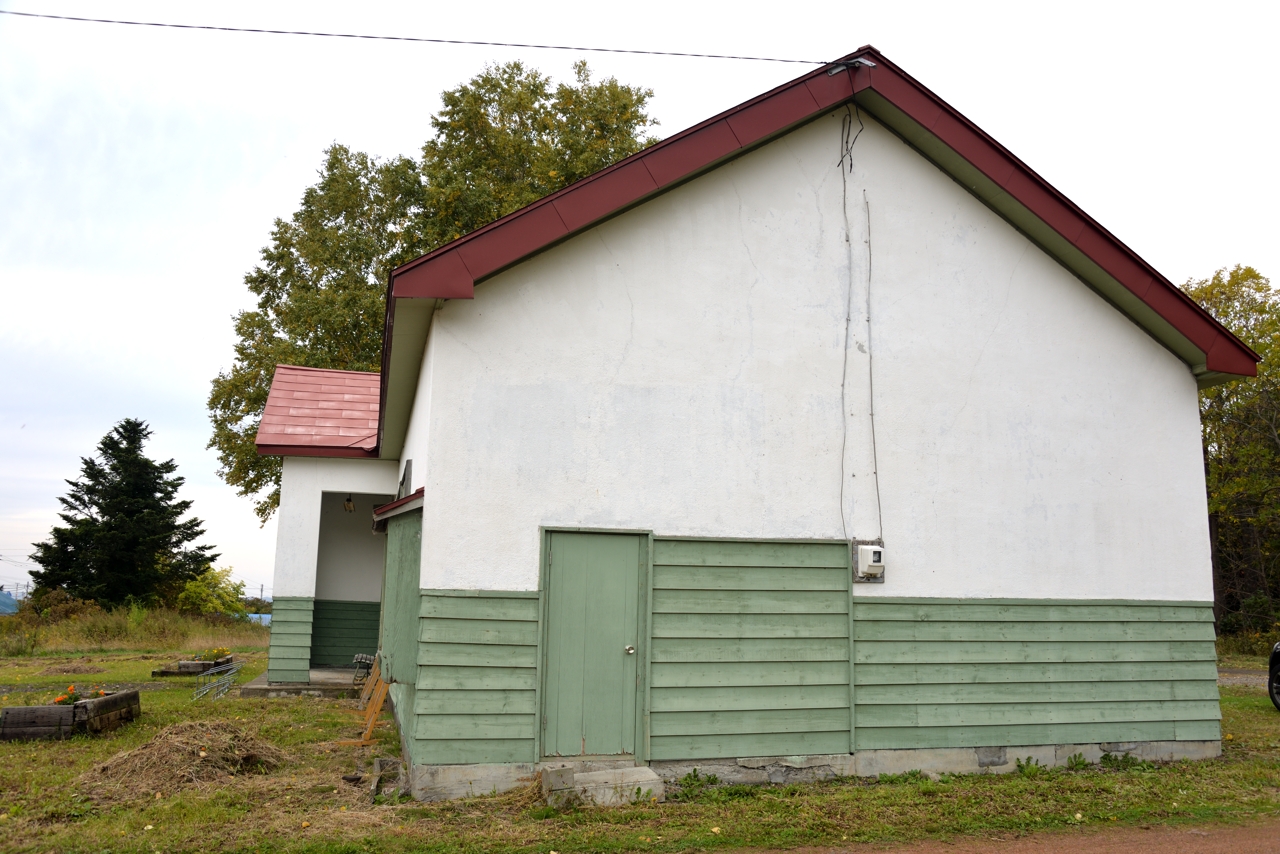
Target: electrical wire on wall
871	384
848	137
846	156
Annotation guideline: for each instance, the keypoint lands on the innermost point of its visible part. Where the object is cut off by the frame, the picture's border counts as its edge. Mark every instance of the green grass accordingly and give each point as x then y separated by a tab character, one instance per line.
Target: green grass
125	628
1243	662
47	809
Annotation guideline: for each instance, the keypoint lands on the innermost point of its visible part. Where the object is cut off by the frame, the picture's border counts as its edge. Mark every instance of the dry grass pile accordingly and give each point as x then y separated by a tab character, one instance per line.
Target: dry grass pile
72	668
182	755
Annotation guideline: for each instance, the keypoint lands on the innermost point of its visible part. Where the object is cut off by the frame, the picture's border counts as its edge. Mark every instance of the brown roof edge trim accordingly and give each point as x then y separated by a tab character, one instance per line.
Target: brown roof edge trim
447	272
1225	352
326	370
389	509
388	324
627	182
314	451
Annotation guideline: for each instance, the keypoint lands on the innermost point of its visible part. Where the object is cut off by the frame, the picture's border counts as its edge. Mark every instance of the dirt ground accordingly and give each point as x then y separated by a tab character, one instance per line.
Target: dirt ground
1259	838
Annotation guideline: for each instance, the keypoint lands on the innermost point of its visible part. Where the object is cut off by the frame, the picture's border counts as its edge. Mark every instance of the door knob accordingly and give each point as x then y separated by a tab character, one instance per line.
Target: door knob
631	650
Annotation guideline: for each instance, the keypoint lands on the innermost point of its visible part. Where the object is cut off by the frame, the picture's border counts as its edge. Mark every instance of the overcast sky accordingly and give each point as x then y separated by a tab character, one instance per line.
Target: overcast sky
141	168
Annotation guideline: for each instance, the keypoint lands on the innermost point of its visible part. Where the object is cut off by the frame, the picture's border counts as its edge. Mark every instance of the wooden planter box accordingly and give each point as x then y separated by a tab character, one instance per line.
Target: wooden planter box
92	716
192	668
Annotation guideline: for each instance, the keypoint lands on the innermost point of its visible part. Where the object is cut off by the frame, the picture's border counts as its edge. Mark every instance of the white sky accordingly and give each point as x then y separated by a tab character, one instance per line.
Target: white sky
141	169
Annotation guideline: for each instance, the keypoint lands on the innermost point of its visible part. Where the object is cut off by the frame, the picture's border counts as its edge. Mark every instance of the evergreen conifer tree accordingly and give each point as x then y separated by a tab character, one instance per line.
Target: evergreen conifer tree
124	537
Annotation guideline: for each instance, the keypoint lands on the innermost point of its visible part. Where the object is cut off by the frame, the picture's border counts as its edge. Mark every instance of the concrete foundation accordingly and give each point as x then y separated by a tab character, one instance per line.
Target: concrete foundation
445	782
331	683
948	760
609	788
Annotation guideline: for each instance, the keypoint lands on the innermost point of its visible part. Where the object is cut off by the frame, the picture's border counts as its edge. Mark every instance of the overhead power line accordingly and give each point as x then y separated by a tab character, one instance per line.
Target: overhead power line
409	39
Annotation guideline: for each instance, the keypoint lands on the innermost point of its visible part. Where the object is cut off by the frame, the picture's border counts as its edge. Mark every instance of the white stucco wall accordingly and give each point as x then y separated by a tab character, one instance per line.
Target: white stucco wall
303	482
679	369
350	556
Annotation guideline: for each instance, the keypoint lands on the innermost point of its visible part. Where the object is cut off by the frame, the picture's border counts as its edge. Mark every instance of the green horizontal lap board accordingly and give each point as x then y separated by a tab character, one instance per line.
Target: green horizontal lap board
289	655
340	630
400	606
476	697
985	673
397	641
750	649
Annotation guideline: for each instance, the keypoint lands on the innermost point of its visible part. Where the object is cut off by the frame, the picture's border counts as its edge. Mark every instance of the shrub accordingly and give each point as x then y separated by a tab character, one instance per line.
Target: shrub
1249	643
18	638
48	607
254	605
213	592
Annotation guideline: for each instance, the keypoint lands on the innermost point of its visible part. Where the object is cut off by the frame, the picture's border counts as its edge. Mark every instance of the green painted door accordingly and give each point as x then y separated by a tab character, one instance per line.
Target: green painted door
593	591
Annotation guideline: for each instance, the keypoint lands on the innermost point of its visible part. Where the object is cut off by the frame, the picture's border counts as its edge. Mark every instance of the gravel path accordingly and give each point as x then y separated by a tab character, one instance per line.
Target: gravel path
1239	677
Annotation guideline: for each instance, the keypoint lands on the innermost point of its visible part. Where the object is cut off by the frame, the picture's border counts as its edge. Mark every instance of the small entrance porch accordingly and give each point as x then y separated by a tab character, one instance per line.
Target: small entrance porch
329	682
327	600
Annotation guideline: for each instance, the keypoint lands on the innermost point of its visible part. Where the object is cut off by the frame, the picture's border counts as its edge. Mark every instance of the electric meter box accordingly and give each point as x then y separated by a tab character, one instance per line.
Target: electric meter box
870	562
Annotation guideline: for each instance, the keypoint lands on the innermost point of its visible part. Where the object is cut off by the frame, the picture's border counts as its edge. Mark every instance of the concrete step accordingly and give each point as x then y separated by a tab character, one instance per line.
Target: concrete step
607	788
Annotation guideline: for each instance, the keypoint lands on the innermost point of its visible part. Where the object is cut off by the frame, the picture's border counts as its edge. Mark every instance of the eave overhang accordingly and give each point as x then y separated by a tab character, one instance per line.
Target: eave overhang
411	502
315	451
922	119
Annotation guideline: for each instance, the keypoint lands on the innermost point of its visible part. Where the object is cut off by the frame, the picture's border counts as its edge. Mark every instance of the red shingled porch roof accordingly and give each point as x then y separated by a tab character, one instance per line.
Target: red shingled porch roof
313	412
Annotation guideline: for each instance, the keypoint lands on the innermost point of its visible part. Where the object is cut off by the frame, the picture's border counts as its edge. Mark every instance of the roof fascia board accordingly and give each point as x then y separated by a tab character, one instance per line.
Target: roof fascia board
314	451
934	128
1033	227
408	504
452	271
402	357
1011	184
412	501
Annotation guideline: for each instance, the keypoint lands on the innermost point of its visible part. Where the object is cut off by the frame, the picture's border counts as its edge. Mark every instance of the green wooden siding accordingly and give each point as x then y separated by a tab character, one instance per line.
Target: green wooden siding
976	673
477	677
400	585
339	630
756	649
750	649
289	656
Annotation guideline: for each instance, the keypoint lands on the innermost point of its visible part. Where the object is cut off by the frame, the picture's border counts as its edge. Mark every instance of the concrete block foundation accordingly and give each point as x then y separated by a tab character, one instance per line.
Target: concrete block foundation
445	782
943	760
609	788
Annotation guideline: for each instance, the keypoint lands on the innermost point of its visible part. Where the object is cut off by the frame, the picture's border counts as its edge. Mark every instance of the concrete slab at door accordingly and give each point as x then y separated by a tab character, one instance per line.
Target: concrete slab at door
590	685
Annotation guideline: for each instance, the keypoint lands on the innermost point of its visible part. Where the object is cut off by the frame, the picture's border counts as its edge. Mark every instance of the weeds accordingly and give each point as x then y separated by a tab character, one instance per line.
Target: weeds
1031	768
1125	762
693	786
1248	643
17	640
126	628
1077	762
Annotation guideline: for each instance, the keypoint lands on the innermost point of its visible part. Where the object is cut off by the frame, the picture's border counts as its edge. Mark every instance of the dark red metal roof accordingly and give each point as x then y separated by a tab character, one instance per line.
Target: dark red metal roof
452	271
314	412
399	502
